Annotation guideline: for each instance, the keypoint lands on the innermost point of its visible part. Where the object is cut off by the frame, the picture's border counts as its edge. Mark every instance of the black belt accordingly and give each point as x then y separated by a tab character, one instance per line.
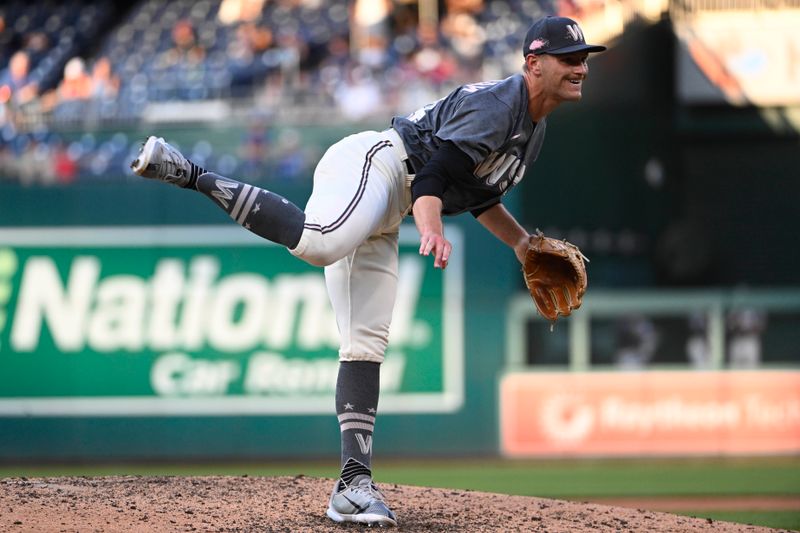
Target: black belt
409	167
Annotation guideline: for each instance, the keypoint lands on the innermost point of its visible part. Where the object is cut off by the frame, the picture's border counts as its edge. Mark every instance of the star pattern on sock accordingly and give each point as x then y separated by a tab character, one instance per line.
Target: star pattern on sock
372	410
349	406
257	208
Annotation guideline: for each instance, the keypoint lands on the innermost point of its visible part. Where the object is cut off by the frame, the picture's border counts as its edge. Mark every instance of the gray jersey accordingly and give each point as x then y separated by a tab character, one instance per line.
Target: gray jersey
488	121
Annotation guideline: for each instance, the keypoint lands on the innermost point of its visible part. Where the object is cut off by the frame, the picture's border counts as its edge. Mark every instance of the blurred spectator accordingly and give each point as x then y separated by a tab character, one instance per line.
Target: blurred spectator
245	53
432	61
185	49
370	31
338	54
405	18
81	95
182	67
16	86
231	11
67	101
105	84
254	39
76	84
293	59
466	39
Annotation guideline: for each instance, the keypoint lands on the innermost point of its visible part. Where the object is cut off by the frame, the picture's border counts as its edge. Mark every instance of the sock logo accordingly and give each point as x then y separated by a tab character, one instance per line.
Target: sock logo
224	192
365	443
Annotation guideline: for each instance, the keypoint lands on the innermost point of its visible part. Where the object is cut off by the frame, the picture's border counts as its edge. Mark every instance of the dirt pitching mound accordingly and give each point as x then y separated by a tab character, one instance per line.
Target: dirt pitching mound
294	504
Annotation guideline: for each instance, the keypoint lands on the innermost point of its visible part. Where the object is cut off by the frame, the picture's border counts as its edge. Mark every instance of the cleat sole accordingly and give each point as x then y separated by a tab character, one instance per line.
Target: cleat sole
364	519
143	159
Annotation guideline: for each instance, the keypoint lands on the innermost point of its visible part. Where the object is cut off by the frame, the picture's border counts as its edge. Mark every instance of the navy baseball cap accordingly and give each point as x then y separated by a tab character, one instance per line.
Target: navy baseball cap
555	36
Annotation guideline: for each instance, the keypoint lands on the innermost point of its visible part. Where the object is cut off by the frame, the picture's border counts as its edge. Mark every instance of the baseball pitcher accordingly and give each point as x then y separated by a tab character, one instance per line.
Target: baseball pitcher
460	154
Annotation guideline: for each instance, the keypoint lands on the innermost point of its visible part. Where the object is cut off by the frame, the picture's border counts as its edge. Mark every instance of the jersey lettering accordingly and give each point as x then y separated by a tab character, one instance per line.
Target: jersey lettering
419	113
475	87
497	167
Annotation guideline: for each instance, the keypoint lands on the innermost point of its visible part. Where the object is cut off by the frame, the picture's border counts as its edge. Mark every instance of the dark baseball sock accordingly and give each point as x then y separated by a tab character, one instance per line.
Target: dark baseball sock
264	213
194	173
351	470
357	390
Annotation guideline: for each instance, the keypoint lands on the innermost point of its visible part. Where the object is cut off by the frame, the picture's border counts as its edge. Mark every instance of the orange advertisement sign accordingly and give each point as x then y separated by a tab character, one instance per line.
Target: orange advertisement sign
650	413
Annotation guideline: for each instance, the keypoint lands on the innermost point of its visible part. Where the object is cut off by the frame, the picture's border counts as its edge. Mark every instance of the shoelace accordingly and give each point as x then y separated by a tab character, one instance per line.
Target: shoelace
369	488
172	165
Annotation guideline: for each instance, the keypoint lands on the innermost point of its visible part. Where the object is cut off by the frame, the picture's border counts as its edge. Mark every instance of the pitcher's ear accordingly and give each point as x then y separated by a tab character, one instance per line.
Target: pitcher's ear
532	63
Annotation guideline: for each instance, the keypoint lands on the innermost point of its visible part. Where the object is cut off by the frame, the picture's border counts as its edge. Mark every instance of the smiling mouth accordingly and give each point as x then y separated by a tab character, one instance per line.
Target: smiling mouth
575	82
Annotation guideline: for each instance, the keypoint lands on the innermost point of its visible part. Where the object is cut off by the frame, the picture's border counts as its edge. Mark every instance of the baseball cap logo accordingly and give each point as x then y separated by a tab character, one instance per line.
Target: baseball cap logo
575	32
538	44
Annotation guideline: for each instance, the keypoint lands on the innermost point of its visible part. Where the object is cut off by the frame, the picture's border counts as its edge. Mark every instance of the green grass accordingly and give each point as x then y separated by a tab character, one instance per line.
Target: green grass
562	479
776	519
607	478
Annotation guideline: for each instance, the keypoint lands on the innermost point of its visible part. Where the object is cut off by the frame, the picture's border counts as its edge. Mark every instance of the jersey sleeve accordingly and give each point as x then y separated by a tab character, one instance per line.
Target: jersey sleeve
478	126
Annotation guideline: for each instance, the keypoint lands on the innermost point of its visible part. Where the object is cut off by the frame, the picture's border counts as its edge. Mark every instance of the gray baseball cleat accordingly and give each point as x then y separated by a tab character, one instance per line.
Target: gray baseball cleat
159	161
360	502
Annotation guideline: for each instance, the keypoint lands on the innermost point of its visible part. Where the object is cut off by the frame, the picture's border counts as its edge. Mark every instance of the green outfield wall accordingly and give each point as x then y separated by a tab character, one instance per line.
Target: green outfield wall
138	322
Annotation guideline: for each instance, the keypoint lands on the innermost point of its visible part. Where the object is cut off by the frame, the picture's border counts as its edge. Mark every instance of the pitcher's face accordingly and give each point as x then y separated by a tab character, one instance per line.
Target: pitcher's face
563	75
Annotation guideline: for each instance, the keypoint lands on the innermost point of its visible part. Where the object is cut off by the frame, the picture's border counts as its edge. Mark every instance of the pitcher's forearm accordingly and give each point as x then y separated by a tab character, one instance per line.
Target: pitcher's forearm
428	217
505	227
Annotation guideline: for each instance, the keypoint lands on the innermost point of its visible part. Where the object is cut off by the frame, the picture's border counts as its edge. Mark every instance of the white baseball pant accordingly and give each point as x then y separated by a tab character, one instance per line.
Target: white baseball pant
361	194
